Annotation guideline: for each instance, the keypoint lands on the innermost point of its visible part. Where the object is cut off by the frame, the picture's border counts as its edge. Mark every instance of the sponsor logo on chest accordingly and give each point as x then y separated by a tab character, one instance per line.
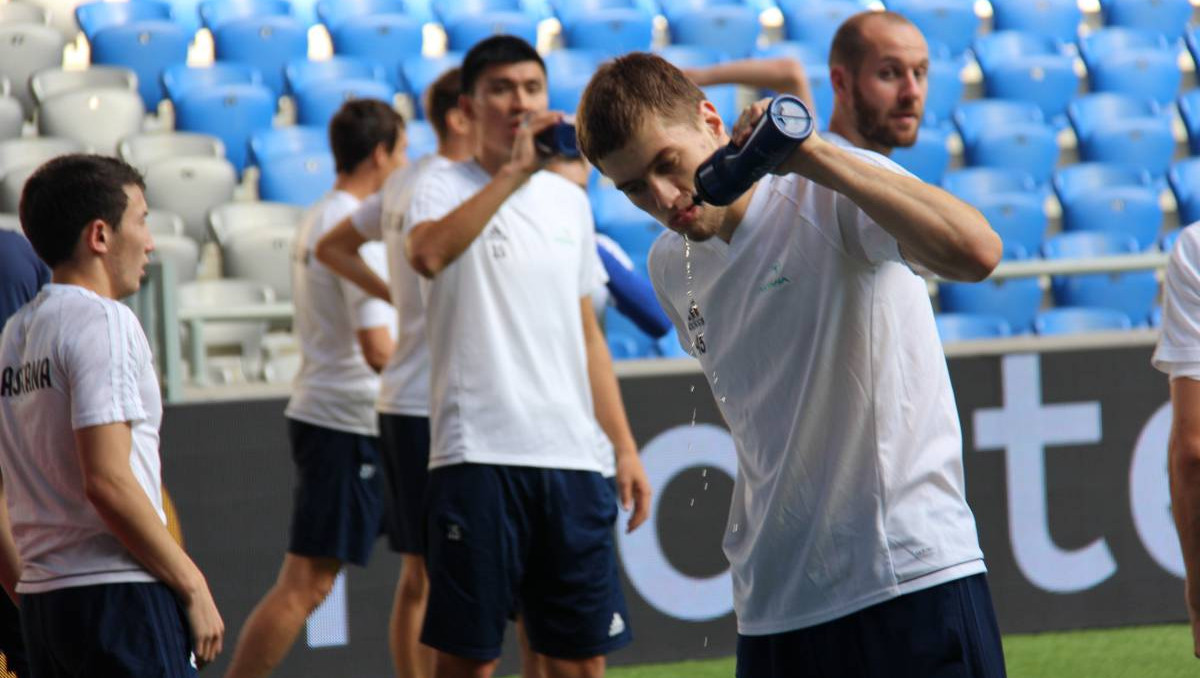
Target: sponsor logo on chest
24	378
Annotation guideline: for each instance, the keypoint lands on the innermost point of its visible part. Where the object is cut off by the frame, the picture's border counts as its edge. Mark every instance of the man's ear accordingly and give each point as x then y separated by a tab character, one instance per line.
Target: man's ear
457	120
710	119
466	106
96	236
840	81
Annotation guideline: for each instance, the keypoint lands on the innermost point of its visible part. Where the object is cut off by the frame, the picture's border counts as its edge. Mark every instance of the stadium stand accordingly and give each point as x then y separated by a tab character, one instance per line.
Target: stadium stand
190	186
145	47
467	29
143	150
611	29
1119	128
180	78
1184	178
967	326
227	219
162	222
1058	321
12	118
98	118
317	101
267	43
1132	294
94	17
229	112
928	158
216	13
263	255
1055	19
26	49
388	39
815	22
296	179
181	251
22	13
1007	134
47	83
1168	18
1112	197
732	30
270	142
302	72
950	22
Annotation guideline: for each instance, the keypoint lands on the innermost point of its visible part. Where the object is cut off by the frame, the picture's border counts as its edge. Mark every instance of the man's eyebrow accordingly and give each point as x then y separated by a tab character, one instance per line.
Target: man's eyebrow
623	186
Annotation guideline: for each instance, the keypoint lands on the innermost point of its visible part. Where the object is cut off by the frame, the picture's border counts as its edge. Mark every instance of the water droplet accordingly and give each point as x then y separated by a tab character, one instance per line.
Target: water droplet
706	487
735	526
692	502
693	416
722	398
704	473
705	641
692	389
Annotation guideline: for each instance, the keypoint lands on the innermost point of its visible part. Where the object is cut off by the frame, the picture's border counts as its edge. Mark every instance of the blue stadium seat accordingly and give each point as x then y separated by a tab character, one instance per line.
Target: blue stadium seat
816	22
1110	197
1168	243
450	11
612	30
422	138
967	326
180	78
568	10
804	52
723	97
146	48
1166	17
567	73
217	13
305	12
950	22
1184	177
730	29
1011	203
1106	42
277	141
1001	47
389	39
1131	293
1189	110
296	179
945	90
1057	19
625	339
1192	40
1145	74
1048	80
1016	300
230	112
92	17
1076	320
317	101
267	42
420	72
928	158
333	12
1156	316
465	31
1007	134
974	183
1118	128
299	73
618	218
816	69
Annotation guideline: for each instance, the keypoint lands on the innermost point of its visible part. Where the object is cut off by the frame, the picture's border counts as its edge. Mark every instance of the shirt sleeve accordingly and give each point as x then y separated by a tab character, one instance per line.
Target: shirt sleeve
1178	350
367	311
433	198
368	218
104	364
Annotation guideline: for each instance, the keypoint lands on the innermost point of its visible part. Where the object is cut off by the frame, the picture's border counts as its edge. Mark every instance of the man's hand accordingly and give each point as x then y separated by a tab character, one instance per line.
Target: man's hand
633	488
748	120
525	160
208	630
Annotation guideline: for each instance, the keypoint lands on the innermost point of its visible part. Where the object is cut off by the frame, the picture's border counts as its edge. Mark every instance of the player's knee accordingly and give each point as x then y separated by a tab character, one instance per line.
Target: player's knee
591	667
414	583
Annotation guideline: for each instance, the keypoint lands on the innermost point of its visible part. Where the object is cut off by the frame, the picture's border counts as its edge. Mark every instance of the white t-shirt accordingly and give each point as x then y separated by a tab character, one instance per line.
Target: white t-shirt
404	387
335	388
1178	351
71	359
822	353
509	370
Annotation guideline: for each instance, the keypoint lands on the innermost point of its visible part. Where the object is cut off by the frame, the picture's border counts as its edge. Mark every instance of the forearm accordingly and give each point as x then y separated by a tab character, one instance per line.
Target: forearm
606	399
932	227
1184	459
783	75
432	246
338	250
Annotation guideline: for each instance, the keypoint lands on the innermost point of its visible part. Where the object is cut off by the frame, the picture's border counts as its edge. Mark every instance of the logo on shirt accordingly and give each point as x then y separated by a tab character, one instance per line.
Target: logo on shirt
775	279
22	379
617	627
695	322
497	242
454	532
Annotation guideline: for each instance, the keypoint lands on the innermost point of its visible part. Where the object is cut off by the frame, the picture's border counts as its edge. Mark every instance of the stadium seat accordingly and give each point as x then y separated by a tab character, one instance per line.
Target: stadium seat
625	339
26	49
420	72
275	141
1168	243
1106	42
567	73
974	183
1016	300
1111	197
190	186
226	220
12	13
33	151
52	81
180	78
296	179
422	139
11	185
1000	47
1117	128
1165	17
816	22
229	112
181	251
1189	110
957	326
1143	74
1011	203
945	91
142	150
1132	293
98	118
466	30
317	102
1048	80
450	11
162	222
618	218
333	12
1076	320
732	30
1056	19
247	335
263	255
266	42
1007	134
145	47
723	97
1184	177
186	13
12	118
299	73
611	30
950	22
928	158
568	10
388	39
94	17
216	13
1192	40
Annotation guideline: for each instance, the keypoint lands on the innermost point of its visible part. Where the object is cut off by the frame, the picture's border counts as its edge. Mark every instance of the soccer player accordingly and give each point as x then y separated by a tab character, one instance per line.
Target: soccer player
852	547
105	590
345	340
403	405
520	518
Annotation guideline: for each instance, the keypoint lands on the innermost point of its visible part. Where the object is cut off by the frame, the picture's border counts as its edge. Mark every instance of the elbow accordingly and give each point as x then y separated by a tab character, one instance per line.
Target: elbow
100	492
795	77
979	256
324	251
1184	457
422	257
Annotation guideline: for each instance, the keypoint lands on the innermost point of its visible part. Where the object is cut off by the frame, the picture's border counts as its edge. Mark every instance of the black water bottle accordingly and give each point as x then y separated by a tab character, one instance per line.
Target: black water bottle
731	171
558	140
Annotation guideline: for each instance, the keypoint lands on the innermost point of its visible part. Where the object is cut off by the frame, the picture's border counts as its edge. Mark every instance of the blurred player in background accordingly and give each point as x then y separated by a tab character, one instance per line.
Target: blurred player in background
345	340
105	589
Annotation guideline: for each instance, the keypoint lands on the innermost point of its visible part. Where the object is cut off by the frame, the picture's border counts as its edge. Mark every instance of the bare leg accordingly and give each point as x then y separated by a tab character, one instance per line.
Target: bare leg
277	619
410	657
592	667
531	662
451	666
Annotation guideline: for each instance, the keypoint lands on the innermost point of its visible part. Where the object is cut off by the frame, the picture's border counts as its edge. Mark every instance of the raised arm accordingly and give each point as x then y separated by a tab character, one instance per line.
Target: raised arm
781	75
339	250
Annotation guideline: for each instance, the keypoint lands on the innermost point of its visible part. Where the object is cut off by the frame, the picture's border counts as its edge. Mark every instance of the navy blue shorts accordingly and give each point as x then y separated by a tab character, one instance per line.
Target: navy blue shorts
129	630
508	538
404	444
338	501
948	631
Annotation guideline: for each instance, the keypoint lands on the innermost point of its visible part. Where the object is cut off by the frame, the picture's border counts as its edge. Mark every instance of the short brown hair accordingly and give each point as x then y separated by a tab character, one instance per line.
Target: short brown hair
442	97
358	128
626	90
849	47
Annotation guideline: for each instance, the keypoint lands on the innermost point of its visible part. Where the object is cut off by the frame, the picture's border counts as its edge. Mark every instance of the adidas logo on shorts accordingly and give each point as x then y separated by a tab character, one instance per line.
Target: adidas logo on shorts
617	627
454	532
